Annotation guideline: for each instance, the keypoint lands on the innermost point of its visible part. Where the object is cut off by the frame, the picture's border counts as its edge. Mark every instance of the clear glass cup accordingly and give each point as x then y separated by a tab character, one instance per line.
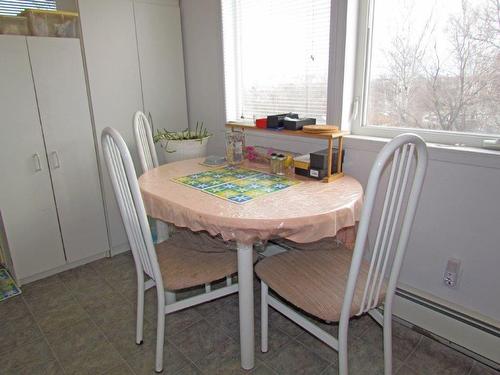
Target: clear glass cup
235	143
280	165
273	162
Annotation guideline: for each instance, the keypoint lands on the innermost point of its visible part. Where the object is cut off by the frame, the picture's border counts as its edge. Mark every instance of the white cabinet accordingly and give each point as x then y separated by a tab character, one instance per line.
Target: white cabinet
110	47
133	53
26	199
65	116
50	198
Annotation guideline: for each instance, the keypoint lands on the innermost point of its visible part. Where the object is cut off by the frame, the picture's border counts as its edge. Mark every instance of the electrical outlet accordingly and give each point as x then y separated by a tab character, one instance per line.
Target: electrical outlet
451	273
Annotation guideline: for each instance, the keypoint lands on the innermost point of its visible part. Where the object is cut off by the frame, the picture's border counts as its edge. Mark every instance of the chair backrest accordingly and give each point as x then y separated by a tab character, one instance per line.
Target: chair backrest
144	141
128	196
395	222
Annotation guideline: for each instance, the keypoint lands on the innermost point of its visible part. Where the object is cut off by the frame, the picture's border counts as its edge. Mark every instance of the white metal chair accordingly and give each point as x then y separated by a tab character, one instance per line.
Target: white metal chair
144	141
149	160
172	265
147	156
336	284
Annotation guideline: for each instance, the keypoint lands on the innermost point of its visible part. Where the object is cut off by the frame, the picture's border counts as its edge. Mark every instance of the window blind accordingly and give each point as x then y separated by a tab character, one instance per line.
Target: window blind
14	7
276	57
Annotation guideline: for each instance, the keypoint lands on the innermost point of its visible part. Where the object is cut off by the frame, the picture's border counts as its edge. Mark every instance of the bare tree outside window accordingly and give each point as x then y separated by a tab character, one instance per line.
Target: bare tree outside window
435	64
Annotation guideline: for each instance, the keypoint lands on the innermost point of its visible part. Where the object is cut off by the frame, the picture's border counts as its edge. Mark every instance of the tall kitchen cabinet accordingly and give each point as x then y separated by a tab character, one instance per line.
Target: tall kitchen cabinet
134	58
50	198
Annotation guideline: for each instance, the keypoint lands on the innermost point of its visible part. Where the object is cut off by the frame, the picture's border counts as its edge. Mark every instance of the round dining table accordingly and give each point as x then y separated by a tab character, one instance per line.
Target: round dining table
305	212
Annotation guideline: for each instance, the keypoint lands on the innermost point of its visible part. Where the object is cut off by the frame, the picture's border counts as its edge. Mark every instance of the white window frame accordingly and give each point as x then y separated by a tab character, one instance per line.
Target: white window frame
332	99
358	107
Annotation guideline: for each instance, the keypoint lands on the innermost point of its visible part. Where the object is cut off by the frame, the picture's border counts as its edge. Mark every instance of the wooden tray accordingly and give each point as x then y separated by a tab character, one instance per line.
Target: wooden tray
320	129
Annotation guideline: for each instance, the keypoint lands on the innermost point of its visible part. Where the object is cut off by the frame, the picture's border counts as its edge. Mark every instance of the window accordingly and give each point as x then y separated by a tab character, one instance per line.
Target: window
14	7
276	57
431	65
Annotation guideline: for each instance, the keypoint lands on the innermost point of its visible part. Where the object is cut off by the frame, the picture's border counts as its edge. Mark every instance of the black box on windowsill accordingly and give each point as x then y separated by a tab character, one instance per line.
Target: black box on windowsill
298	123
276	121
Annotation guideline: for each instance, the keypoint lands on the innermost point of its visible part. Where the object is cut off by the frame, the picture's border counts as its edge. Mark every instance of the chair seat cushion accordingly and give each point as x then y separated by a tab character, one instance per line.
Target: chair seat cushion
182	266
315	281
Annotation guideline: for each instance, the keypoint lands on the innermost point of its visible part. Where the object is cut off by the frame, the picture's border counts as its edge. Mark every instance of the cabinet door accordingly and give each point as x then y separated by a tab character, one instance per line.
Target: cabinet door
113	71
64	112
26	199
159	40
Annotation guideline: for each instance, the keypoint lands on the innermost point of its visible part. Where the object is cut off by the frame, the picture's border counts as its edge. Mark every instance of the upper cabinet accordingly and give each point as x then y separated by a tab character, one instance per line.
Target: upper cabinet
133	53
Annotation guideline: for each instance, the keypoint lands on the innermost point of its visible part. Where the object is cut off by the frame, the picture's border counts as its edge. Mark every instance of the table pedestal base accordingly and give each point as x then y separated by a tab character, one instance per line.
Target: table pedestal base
246	305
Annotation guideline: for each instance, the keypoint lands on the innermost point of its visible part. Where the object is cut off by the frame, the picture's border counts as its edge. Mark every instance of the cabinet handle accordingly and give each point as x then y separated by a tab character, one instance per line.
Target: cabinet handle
36	160
55	160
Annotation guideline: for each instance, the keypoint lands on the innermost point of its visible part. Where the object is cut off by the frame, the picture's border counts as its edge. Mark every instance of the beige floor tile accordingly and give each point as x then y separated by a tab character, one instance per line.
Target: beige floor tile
17	332
366	356
60	317
31	355
480	369
82	349
190	369
49	368
144	363
226	360
13	308
433	358
199	340
44	298
295	358
122	369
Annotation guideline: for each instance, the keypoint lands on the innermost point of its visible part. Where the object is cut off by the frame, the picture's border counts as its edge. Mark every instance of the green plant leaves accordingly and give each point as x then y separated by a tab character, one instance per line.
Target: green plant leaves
165	135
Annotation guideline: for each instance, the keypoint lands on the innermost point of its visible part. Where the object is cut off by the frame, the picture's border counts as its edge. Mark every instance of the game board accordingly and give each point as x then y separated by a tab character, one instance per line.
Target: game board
236	184
8	287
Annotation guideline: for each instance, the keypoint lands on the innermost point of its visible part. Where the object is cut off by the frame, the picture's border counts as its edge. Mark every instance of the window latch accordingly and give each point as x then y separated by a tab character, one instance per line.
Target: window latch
355	108
493	144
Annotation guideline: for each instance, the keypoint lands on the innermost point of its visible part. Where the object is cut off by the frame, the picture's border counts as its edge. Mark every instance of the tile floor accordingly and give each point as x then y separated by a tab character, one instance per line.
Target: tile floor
82	322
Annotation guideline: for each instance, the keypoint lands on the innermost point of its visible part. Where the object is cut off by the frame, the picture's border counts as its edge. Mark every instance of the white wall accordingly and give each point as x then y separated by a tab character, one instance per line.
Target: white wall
203	61
458	217
459	213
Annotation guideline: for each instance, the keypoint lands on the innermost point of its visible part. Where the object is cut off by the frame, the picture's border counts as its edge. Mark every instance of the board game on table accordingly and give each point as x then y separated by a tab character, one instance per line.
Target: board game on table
236	184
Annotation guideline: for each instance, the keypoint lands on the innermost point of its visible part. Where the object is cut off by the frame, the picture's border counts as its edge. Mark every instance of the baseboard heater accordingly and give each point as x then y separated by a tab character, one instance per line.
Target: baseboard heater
470	335
457	315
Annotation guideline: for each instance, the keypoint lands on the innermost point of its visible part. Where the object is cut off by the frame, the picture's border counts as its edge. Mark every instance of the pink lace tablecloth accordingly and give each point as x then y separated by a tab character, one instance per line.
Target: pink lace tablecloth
303	213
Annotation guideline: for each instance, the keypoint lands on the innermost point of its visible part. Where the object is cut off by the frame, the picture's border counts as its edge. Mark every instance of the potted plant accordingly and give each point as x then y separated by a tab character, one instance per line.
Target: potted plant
184	144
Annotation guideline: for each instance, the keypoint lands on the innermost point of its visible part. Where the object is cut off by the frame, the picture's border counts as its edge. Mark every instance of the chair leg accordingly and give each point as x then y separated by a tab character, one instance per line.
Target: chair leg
160	332
162	231
208	288
377	316
264	317
387	342
140	314
229	281
343	356
170	297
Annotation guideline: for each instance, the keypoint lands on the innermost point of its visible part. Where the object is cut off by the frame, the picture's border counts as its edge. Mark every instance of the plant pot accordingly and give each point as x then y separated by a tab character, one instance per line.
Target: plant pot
184	149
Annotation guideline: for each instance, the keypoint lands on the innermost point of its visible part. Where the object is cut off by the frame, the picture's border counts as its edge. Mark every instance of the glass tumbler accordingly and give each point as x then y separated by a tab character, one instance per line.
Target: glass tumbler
235	143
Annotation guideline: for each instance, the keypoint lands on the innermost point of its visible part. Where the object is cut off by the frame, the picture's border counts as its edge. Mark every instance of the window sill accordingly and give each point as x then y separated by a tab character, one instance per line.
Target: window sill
474	156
